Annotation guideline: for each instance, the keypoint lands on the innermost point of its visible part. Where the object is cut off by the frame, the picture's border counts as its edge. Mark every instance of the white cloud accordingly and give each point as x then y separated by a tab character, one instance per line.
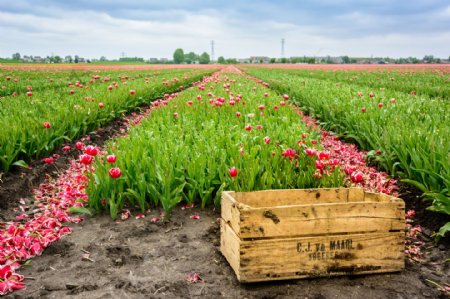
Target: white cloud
157	33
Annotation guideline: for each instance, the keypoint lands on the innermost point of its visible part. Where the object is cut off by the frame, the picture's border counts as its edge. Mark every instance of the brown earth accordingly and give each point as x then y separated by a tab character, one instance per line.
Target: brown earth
141	259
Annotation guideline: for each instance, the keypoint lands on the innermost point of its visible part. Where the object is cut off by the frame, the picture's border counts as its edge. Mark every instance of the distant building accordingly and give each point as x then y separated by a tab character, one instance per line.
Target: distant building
329	59
39	59
244	60
153	60
81	60
164	60
26	58
259	59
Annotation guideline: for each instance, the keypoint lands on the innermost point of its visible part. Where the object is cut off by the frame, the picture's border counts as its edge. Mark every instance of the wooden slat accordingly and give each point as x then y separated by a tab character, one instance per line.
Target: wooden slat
230	246
356	195
269	198
232	210
289	258
320	219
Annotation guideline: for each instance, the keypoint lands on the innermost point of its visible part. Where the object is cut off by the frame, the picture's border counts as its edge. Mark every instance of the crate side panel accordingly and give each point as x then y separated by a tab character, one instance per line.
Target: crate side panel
322	256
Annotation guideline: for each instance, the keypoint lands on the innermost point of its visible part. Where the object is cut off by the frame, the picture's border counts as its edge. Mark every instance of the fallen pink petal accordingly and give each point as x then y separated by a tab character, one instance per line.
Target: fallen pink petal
193	277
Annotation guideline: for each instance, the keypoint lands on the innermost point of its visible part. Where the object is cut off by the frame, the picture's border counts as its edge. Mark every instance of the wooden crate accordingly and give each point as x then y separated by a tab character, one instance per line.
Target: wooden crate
289	234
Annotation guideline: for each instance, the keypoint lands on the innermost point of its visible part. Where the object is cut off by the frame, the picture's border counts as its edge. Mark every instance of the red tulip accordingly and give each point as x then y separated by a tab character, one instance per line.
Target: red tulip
324	155
334	162
319	164
189	103
310	152
261	107
313	141
115	172
357	177
132	92
8	78
371	95
275	107
72	91
66	148
304	135
349	169
111	158
380	105
29	93
392	100
266	140
100	105
259	127
363	109
79	145
282	103
289	152
286	97
175	115
91	150
248	127
233	172
46	125
86	159
48	160
238	114
266	94
199	97
110	87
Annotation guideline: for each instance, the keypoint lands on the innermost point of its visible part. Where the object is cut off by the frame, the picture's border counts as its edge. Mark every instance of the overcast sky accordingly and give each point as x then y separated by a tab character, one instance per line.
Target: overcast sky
240	29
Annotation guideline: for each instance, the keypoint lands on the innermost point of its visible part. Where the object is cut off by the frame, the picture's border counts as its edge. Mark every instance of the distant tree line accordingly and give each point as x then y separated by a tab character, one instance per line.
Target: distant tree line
190	58
179	57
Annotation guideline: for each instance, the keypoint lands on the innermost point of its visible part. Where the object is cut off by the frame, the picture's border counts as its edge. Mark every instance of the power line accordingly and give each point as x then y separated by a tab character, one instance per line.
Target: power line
282	48
212	51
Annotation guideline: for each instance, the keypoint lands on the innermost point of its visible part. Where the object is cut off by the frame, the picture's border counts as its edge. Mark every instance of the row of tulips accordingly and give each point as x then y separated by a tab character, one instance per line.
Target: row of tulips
225	133
406	134
41	119
431	82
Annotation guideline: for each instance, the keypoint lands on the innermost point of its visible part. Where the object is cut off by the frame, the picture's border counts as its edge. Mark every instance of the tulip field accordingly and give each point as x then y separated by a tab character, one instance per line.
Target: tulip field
42	109
227	133
195	132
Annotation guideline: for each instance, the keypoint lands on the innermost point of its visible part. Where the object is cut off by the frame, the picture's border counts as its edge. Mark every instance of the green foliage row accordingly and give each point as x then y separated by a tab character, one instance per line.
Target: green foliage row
183	151
427	82
71	115
411	131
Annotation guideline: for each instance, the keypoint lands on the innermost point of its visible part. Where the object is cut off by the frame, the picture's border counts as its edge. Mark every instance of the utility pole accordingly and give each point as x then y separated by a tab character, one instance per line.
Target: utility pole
282	48
212	51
